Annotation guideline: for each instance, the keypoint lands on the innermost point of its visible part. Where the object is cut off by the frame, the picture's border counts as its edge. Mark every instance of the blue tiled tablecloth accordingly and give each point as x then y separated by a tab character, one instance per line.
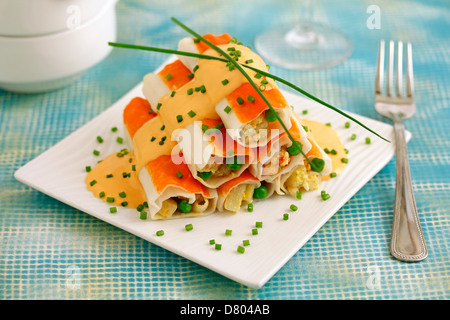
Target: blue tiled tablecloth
43	240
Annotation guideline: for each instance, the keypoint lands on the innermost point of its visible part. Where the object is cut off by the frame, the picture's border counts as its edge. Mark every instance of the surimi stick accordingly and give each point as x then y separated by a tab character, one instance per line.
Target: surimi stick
274	159
233	194
173	76
191	45
211	155
172	192
251	120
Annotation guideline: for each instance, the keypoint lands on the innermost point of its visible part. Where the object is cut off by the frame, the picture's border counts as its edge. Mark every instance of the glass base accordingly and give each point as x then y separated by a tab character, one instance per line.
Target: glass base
306	46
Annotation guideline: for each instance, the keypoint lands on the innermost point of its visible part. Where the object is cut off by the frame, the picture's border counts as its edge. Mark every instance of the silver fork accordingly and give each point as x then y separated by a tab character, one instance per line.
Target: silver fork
407	240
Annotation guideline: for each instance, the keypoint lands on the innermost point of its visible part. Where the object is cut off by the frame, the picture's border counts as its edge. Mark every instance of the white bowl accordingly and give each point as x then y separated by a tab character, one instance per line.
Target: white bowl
35	64
26	18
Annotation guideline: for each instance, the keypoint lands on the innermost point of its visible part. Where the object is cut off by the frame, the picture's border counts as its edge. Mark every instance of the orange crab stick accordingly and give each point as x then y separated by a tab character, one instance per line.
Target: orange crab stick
137	112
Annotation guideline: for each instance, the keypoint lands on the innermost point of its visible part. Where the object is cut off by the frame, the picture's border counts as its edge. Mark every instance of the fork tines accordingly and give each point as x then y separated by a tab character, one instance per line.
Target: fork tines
390	70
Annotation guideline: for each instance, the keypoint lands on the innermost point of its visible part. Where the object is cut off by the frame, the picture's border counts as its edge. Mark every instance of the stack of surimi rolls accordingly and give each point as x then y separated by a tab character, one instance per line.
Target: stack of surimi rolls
205	141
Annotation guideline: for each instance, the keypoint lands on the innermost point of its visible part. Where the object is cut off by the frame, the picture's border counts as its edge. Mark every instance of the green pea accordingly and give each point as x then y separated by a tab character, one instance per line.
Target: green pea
184	206
260	192
235	165
295	148
204	175
270	116
318	164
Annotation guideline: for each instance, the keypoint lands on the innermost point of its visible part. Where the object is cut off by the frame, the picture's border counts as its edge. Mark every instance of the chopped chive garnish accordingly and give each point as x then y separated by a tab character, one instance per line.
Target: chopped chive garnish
227	109
160	233
195	68
114	129
333	175
353	137
109	175
92	182
254	232
240	100
96	152
225	82
286	216
346	150
161	142
189	227
110	199
240	249
168	76
143	215
196	40
324	195
119	140
113	210
101	194
158	106
248	61
251	98
299	195
367	140
124	204
344	160
250	207
140	207
347	125
202	89
122	195
179	175
218	247
191	114
133	167
153	139
190	91
204	127
293	207
99	139
212	241
258	75
231	49
264	81
305	112
326	150
150	111
245	242
228	232
328	124
88	168
306	128
333	151
163	127
258	224
173	93
179	118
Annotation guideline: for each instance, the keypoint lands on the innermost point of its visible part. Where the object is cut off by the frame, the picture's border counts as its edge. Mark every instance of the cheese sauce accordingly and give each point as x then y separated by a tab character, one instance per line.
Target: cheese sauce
327	138
115	181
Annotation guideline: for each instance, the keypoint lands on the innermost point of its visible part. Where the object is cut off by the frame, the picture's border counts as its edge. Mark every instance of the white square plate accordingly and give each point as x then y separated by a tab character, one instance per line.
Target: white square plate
60	172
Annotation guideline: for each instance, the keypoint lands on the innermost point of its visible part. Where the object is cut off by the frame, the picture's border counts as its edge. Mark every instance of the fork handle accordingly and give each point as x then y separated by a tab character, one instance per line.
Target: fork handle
407	241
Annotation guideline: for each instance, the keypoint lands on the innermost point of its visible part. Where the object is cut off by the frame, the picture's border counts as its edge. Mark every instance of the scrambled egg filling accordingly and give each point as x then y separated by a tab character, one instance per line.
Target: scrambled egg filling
217	169
277	162
255	131
302	178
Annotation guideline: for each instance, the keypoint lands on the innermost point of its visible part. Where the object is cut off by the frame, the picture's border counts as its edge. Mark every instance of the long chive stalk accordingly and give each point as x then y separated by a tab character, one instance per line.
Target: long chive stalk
264	73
